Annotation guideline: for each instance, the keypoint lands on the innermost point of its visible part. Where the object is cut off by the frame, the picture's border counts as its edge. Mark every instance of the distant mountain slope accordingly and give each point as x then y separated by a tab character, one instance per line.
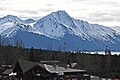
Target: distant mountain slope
60	31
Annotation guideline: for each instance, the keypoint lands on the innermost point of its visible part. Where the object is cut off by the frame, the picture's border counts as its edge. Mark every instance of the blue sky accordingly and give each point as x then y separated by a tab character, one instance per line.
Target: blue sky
104	12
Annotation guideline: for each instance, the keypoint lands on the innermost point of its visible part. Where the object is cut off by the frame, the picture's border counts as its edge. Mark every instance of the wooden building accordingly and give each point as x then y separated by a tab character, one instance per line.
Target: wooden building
27	70
6	73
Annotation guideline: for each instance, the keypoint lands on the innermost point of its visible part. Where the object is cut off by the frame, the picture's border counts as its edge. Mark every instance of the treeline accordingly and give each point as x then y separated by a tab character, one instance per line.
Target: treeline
96	64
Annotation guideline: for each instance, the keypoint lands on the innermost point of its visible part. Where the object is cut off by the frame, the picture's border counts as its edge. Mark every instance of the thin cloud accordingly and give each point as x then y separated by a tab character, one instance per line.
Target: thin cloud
82	0
2	0
46	10
27	11
24	17
109	17
2	8
49	5
89	10
112	3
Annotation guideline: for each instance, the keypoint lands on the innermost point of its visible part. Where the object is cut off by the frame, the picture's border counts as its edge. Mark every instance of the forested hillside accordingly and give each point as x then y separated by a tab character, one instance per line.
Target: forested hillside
96	64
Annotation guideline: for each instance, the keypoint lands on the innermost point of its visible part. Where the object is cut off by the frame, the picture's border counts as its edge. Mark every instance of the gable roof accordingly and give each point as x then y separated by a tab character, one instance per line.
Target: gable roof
24	65
28	65
7	72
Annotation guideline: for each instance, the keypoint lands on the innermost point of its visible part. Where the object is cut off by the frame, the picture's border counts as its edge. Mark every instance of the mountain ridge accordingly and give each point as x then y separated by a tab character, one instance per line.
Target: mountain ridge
59	28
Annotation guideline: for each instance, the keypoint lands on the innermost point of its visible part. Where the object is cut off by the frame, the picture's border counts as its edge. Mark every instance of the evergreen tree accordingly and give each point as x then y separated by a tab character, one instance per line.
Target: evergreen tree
31	54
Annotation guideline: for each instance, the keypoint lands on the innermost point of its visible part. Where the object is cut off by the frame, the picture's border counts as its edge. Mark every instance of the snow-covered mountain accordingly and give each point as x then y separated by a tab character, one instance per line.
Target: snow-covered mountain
59	31
117	29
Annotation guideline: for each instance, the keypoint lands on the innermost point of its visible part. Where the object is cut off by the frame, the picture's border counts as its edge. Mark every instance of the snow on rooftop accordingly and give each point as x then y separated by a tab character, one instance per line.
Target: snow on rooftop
59	69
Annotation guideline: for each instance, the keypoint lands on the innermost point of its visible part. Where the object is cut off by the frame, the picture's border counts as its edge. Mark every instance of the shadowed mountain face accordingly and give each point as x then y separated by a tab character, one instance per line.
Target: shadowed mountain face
60	32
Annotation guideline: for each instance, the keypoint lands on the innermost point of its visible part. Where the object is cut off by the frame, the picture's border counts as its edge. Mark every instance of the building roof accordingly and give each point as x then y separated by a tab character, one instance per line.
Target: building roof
62	64
28	65
59	69
7	72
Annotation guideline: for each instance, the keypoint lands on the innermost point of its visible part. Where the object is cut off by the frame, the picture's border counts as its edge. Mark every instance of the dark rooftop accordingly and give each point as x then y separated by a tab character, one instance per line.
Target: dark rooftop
7	72
52	68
